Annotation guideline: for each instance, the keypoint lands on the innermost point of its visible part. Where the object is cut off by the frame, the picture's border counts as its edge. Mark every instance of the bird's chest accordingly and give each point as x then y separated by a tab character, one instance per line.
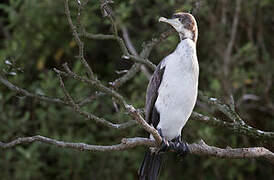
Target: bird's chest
179	84
177	95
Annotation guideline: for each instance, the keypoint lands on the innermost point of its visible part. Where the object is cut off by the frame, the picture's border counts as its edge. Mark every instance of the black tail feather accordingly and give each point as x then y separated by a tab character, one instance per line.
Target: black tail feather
151	166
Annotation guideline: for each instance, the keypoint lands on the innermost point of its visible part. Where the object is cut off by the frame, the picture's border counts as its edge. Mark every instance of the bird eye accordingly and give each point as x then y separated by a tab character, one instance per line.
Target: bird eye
180	19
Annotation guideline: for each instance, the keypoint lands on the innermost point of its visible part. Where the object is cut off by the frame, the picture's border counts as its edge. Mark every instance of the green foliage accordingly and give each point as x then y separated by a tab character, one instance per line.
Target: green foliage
36	37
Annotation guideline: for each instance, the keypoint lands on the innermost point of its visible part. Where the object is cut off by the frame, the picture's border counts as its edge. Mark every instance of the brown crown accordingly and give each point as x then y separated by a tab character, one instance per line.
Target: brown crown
189	23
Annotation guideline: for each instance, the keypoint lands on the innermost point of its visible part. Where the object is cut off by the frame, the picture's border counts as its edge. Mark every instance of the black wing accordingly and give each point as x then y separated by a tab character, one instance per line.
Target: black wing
152	115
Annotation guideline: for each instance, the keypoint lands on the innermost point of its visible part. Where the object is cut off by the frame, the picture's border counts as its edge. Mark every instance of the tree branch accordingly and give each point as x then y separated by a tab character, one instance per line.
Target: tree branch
231	42
134	113
239	128
144	54
93	82
228	51
24	92
201	148
125	46
237	125
132	49
224	108
91	116
78	40
130	74
234	127
131	110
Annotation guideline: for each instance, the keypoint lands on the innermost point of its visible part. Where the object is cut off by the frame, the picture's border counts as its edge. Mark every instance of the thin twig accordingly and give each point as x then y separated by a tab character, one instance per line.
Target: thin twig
132	49
95	83
144	54
224	108
91	116
128	41
143	61
234	127
97	36
237	124
130	74
89	99
78	40
24	92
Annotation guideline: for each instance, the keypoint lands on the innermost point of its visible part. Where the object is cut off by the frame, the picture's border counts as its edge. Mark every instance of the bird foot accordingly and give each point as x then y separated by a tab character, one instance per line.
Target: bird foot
180	147
165	145
177	145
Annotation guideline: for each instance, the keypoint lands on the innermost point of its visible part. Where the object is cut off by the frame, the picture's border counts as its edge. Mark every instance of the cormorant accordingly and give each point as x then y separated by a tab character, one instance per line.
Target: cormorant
172	93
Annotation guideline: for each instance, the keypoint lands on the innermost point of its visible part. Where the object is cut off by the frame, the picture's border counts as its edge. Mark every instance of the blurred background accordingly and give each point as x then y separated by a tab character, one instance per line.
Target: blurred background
35	38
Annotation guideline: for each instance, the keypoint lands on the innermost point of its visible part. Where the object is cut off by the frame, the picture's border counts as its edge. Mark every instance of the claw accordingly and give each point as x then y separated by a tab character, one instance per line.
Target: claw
181	147
176	145
182	150
165	145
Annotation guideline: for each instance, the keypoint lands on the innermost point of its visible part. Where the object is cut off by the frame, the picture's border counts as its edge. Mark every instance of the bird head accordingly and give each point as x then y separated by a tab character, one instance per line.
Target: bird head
185	24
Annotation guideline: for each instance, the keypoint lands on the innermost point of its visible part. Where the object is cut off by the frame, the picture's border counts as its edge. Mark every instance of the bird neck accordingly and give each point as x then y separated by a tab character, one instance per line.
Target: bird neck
184	36
187	34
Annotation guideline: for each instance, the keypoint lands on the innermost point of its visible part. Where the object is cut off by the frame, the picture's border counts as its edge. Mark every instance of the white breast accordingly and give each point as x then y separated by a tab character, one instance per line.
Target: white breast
178	90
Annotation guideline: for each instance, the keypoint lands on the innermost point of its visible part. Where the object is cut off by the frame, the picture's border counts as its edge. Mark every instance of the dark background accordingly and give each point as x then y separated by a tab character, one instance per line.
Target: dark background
35	37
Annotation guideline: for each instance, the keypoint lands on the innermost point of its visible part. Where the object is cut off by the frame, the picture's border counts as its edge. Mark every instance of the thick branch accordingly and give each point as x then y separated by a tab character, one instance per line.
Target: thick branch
126	144
201	148
134	113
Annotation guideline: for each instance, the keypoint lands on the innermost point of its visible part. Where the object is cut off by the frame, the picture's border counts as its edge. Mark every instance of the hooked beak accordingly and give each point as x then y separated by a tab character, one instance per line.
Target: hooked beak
173	22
